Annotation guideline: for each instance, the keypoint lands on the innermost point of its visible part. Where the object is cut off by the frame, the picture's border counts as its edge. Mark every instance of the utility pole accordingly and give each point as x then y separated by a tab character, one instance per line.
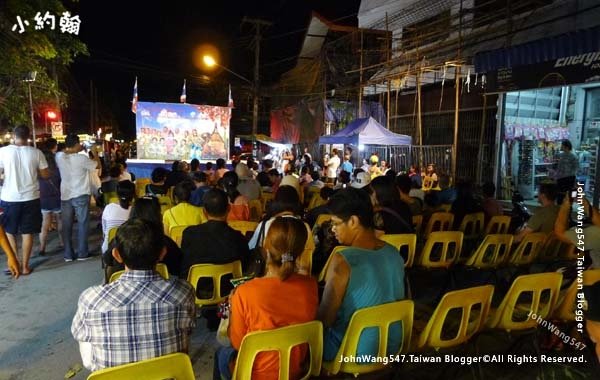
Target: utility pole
257	25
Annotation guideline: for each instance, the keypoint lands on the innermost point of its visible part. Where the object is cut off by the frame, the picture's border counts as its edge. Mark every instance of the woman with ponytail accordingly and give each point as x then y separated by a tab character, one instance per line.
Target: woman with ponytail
116	214
264	303
238	209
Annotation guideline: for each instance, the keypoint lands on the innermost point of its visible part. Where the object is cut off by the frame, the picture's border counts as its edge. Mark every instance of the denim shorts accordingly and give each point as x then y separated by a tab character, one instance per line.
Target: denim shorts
22	217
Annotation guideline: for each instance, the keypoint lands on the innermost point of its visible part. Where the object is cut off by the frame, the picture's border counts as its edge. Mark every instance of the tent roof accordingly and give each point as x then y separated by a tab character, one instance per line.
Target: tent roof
264	139
366	131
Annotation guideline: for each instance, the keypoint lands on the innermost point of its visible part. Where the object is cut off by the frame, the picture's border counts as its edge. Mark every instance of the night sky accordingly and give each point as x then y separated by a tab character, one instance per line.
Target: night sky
155	41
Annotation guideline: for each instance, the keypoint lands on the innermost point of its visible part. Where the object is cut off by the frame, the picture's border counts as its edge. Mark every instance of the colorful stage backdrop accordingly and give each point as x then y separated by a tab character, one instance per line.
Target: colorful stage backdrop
173	131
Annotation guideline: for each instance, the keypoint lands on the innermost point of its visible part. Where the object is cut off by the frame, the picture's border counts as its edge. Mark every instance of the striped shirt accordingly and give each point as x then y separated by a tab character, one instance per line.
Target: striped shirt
139	316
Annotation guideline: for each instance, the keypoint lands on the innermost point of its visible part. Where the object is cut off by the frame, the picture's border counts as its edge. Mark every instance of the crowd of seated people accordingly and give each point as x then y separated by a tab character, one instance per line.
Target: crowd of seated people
367	272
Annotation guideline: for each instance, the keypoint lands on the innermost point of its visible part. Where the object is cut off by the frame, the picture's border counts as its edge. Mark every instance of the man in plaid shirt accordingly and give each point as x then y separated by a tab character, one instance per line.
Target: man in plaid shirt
139	316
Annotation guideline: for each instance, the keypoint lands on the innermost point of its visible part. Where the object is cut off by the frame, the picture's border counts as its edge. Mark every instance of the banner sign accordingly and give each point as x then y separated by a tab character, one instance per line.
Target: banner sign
57	128
575	69
173	131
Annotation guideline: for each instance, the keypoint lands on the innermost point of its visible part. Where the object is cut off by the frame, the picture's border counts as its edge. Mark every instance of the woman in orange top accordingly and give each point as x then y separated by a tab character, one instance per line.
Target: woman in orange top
238	203
264	303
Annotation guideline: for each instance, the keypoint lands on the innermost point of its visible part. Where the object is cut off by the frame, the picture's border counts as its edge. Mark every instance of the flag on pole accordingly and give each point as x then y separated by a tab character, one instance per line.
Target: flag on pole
183	96
135	98
230	102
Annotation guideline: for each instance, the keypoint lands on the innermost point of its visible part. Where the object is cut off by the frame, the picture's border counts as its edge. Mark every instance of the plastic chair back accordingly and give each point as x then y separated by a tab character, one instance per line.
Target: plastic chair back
552	248
176	233
265	198
173	366
108	196
434	256
471	321
140	186
215	272
380	316
472	225
565	311
165	203
527	251
446	207
282	340
322	219
439	221
160	269
243	226
417	222
112	233
403	240
492	251
323	273
497	225
256	210
515	315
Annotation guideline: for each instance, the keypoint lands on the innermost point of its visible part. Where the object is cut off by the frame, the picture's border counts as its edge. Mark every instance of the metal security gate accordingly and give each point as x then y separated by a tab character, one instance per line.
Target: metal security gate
402	157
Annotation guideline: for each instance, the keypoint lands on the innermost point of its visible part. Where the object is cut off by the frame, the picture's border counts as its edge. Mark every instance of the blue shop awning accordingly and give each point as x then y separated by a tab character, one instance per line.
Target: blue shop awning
578	42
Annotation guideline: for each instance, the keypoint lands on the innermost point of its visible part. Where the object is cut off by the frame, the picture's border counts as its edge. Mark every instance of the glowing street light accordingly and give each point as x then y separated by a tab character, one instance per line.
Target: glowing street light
210	62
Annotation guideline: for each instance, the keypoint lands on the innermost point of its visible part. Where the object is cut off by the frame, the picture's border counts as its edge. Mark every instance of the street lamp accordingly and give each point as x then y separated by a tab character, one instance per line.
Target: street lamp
210	62
29	79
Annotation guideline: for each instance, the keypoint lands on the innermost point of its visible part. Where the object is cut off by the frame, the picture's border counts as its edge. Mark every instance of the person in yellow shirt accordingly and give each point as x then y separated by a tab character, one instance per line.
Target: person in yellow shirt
184	213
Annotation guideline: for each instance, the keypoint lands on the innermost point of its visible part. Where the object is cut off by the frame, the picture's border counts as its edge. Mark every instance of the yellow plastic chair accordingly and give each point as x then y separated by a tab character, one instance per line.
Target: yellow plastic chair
401	240
492	251
439	221
256	210
176	233
565	311
215	272
552	249
112	233
472	225
243	226
511	315
265	198
108	196
323	273
380	316
446	207
315	201
322	219
170	194
431	257
282	340
417	222
160	268
471	321
140	186
527	251
497	225
165	203
173	366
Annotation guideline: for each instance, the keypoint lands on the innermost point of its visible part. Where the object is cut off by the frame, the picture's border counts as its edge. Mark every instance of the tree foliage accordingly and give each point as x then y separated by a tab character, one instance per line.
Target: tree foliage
45	51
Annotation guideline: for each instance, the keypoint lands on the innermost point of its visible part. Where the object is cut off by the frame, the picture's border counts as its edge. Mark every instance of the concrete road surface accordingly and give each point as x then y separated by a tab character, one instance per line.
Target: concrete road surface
36	313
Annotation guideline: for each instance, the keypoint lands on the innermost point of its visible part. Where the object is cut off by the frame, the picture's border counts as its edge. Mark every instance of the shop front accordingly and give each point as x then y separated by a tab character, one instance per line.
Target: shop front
549	91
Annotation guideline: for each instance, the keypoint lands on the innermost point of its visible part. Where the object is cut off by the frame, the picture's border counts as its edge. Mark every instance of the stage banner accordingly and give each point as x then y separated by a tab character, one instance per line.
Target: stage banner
173	131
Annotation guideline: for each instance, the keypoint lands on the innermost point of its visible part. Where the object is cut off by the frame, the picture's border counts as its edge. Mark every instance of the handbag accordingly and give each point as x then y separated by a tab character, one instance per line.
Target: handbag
256	262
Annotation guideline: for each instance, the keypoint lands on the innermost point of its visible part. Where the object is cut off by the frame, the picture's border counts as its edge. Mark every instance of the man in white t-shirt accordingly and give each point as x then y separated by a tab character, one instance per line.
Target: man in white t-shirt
75	195
20	198
332	166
